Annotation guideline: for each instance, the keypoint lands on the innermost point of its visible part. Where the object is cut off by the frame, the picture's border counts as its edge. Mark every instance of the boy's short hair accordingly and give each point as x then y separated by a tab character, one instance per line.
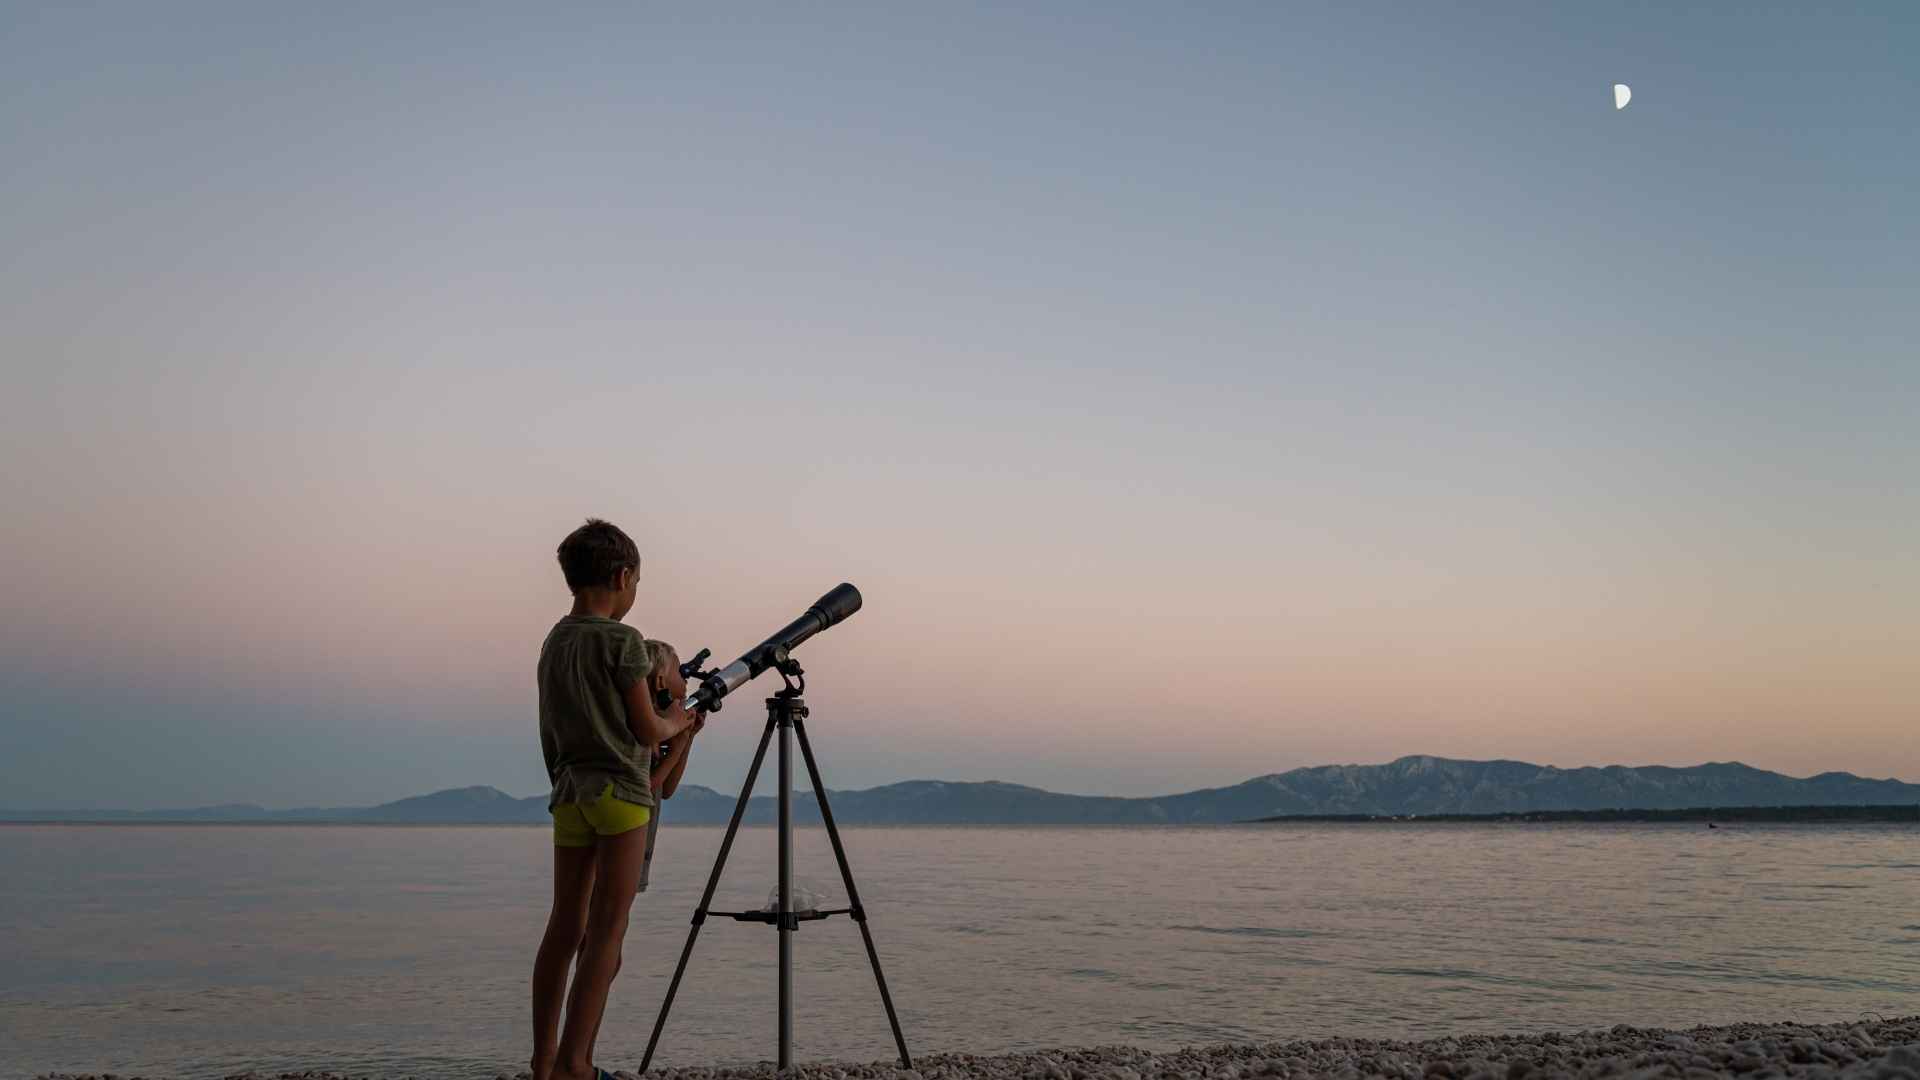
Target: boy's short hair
595	553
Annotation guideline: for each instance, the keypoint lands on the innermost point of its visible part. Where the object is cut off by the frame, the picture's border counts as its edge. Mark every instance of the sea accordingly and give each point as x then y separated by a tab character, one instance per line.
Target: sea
204	951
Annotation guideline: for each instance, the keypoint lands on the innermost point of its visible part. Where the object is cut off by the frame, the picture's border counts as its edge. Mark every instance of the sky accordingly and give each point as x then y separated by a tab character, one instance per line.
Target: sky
1193	391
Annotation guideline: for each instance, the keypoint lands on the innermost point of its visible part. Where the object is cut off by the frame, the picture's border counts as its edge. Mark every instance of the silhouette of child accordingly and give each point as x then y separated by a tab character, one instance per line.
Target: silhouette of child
612	754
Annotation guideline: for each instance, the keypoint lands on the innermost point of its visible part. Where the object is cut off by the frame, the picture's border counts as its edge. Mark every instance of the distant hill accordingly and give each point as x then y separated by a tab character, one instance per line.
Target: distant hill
480	805
1433	785
1420	785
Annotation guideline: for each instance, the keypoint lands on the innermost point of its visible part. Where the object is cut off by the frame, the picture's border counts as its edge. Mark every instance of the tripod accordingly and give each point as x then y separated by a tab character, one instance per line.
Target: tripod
786	712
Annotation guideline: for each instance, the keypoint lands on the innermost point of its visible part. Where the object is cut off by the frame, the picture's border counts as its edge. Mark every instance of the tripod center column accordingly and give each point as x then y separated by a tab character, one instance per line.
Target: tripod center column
785	707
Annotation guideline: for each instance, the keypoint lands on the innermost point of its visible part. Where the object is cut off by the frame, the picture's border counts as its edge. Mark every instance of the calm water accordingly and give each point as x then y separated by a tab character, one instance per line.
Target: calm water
204	951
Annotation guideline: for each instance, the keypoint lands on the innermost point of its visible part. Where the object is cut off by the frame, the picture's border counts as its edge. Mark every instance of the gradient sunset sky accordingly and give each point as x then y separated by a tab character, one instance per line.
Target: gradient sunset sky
1194	392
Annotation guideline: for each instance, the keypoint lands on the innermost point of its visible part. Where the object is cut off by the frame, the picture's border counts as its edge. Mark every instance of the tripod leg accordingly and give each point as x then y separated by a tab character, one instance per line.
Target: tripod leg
706	898
853	893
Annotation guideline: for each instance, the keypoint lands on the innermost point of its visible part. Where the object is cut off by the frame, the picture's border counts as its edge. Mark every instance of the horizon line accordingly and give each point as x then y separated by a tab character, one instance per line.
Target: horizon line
930	780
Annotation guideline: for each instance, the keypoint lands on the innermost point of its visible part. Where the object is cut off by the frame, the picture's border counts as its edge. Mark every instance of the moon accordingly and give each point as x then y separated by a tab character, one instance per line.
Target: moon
1622	93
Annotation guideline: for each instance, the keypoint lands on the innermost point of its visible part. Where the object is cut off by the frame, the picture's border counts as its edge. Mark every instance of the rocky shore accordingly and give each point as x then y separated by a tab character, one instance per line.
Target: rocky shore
1867	1050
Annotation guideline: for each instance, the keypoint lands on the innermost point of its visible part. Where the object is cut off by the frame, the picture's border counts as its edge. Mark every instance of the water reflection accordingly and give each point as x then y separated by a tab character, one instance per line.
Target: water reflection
206	951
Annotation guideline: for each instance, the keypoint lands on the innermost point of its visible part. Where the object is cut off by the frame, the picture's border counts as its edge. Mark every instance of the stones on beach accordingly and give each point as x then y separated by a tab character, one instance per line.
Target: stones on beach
1861	1050
1899	1063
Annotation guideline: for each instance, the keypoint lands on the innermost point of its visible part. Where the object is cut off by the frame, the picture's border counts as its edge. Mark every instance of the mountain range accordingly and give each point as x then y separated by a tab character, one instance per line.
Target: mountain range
1410	786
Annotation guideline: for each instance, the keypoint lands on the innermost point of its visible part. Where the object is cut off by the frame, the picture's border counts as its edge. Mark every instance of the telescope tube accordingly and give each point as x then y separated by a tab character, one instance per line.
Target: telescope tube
841	602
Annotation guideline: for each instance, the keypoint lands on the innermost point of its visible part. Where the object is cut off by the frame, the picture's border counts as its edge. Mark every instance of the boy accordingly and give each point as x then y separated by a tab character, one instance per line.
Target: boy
598	732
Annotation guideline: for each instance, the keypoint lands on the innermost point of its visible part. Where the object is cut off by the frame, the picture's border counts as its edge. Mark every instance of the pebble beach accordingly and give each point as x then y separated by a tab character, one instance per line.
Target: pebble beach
1870	1049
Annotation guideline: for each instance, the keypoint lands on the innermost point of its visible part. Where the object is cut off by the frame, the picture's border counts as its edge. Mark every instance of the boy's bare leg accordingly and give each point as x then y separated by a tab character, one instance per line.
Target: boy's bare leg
614	884
573	874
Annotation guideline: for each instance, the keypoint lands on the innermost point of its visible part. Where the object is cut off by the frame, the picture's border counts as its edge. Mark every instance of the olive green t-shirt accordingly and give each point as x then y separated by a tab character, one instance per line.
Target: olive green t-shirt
586	666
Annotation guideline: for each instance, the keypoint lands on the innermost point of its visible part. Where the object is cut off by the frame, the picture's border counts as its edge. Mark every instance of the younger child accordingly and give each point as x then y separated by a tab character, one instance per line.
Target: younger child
599	729
669	760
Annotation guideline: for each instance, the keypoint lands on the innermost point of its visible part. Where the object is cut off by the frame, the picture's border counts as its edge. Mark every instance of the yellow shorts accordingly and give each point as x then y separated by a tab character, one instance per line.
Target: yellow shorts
576	826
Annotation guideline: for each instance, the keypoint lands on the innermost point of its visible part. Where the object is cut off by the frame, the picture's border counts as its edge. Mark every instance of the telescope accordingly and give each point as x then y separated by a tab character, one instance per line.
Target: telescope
786	714
839	603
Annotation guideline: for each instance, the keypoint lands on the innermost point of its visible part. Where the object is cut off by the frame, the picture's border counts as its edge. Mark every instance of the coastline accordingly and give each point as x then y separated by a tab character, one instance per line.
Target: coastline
1718	816
1876	1049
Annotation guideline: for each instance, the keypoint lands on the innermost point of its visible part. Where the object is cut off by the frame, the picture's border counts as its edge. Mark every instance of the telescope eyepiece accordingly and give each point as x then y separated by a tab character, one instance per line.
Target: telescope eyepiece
692	667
